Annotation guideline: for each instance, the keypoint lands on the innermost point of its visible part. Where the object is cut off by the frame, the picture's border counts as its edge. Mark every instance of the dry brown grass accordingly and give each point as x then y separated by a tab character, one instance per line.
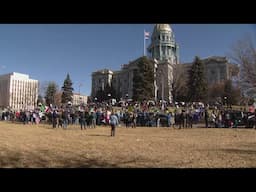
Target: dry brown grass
36	146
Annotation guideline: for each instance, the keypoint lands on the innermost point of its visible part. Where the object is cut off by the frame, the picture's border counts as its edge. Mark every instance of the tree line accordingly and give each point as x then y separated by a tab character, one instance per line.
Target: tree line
52	95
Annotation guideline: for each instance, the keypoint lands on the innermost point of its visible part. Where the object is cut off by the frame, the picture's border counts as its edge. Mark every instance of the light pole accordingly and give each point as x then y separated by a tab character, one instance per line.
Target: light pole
80	100
79	86
109	97
162	78
126	97
155	85
69	105
225	102
161	73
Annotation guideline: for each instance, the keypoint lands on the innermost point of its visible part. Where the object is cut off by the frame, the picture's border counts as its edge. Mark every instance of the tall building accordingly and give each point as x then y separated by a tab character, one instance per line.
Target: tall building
163	50
18	91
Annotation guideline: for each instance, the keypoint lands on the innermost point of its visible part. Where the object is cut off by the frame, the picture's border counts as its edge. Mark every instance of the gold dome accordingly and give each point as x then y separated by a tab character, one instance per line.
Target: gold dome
162	27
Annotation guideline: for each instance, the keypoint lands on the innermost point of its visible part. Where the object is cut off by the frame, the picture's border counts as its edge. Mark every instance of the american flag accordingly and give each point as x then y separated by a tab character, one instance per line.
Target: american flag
146	35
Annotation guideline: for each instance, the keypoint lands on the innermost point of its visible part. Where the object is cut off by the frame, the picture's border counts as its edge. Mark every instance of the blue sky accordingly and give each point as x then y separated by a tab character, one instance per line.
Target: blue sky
47	52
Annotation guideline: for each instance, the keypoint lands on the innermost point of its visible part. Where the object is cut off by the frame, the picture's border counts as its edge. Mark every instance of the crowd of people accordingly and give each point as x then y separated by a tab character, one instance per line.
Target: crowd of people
130	115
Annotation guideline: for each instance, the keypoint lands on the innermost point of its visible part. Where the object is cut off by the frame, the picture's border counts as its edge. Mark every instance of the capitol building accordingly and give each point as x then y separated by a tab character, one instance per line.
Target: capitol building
164	52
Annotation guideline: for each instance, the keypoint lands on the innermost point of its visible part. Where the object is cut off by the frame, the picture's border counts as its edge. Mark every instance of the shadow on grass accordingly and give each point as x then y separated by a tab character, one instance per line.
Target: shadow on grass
240	151
98	135
47	159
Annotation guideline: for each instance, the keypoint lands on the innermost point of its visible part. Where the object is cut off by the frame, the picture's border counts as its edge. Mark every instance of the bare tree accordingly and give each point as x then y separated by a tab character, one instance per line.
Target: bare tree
244	54
179	82
43	87
57	98
50	94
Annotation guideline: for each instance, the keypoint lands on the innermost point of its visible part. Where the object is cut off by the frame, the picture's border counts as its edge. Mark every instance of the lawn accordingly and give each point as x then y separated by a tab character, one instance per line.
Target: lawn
41	146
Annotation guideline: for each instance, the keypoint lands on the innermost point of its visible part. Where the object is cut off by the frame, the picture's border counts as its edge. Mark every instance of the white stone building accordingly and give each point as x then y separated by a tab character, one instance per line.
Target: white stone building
18	91
100	79
79	99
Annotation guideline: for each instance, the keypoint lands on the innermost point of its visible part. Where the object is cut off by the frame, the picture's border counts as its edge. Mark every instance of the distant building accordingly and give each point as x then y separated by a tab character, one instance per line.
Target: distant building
217	69
79	99
18	91
164	52
100	79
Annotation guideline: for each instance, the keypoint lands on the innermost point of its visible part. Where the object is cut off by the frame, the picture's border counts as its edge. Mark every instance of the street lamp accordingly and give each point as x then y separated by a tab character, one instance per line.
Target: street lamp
109	97
161	74
162	77
69	104
126	97
80	100
225	101
155	85
79	86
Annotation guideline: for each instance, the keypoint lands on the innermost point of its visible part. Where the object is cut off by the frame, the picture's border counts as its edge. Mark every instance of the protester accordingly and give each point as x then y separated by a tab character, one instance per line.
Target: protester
113	122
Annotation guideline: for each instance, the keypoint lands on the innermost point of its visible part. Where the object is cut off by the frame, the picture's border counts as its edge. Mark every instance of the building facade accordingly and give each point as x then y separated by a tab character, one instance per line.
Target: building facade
164	52
79	99
123	79
18	91
217	69
100	79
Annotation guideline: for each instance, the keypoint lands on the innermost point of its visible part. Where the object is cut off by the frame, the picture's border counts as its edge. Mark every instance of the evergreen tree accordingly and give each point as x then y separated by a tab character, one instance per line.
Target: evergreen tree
231	93
143	80
108	92
67	90
99	95
40	99
51	91
103	95
197	83
179	86
113	92
216	93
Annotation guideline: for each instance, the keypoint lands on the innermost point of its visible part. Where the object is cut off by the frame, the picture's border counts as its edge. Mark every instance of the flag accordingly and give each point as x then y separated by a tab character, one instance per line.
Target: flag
146	35
42	108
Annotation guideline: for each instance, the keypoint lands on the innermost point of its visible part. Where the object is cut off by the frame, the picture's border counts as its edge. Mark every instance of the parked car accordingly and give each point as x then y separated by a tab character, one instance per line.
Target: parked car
250	120
237	118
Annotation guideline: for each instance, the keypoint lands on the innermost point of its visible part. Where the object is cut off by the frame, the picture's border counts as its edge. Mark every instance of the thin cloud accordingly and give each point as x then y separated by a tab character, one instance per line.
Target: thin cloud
2	66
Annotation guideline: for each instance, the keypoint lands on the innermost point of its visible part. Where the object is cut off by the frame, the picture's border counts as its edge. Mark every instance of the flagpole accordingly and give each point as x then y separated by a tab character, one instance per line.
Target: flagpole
144	43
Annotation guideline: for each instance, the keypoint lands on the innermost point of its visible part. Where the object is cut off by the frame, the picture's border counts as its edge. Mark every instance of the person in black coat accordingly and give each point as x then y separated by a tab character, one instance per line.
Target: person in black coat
206	117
